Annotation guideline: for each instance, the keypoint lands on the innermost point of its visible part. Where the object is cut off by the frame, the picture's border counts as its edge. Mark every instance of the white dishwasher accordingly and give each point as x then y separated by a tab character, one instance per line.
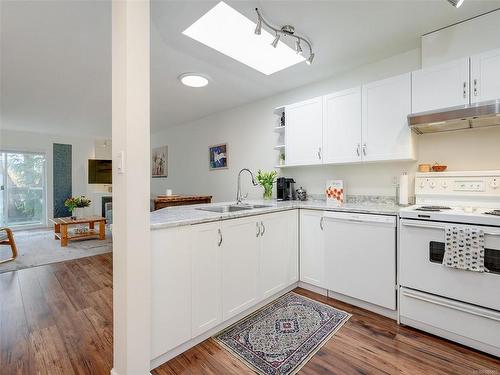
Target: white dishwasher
360	256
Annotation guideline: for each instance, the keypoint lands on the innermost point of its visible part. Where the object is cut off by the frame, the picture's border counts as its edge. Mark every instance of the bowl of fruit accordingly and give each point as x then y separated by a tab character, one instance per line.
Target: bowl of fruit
439	167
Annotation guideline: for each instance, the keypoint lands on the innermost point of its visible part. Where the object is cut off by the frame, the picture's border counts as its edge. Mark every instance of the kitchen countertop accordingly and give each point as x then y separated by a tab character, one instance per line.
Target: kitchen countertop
188	215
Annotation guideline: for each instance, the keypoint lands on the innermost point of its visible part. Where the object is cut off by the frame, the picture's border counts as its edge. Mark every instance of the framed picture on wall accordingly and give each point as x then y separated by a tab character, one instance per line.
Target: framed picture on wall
159	162
217	156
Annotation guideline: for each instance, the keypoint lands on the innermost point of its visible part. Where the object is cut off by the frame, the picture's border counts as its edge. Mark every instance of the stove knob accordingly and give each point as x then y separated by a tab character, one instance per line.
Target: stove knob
432	184
494	184
422	184
444	184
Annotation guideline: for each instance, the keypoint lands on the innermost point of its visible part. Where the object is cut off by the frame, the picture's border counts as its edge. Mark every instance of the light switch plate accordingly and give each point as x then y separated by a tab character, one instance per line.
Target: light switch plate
120	162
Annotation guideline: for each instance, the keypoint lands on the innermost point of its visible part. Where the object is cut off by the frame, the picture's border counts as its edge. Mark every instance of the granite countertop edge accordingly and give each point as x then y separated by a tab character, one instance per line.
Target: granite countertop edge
189	215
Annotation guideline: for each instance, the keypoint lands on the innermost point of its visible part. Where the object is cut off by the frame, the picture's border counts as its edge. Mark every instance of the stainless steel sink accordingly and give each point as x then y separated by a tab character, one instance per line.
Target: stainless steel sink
232	208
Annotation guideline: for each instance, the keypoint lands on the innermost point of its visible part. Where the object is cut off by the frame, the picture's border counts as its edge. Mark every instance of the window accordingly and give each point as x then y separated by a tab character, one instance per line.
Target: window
22	188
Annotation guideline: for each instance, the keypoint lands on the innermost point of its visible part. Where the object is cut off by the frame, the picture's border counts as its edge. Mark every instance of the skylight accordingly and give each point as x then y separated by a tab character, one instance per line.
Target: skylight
229	32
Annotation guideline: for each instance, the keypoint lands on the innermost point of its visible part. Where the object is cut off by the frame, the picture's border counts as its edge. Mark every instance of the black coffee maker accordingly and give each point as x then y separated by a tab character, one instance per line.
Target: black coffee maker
284	189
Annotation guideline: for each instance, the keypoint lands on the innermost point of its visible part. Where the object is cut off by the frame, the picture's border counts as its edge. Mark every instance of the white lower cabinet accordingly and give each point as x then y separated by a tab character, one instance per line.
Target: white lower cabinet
312	248
240	265
170	286
206	277
278	252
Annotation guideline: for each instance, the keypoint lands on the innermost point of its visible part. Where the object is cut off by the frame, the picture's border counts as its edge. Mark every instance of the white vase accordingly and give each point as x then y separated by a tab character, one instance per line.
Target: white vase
78	212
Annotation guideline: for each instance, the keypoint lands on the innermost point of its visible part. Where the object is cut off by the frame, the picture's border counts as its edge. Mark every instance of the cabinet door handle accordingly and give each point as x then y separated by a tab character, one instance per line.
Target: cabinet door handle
258	229
465	89
319	153
321	222
263	228
475	87
220	238
364	149
358	152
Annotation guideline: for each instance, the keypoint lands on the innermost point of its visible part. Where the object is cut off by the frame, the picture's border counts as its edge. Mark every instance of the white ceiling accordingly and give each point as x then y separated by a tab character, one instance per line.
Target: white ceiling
55	73
56	56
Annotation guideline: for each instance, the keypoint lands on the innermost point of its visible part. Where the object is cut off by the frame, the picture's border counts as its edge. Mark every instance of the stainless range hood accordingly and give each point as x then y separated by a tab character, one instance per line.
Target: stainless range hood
477	115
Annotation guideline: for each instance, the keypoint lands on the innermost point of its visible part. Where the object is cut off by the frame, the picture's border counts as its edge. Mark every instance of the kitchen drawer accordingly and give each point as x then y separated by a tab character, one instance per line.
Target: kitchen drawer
467	324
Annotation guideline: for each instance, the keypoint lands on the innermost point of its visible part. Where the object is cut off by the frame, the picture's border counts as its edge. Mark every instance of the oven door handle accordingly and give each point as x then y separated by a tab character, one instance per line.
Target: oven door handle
429	226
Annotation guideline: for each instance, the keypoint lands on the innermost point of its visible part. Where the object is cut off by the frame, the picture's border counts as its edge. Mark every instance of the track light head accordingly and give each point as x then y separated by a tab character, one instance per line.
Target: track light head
298	48
456	3
310	59
258	28
288	31
276	40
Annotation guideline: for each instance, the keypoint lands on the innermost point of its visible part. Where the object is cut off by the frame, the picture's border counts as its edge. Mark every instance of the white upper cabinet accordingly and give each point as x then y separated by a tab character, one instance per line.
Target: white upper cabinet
440	86
303	132
385	132
342	126
206	277
485	76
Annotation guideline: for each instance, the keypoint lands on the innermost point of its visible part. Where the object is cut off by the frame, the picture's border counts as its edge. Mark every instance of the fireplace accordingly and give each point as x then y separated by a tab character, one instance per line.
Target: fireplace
105	200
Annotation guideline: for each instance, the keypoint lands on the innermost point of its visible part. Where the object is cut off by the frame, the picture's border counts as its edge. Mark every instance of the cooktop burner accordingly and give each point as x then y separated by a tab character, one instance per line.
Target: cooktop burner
432	208
494	212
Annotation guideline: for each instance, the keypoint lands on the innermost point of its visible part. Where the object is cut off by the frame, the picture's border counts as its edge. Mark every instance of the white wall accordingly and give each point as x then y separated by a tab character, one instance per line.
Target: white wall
248	130
462	40
82	150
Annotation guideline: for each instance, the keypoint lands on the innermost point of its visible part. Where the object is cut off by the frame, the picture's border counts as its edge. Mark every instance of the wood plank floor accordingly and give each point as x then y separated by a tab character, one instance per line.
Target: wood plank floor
57	319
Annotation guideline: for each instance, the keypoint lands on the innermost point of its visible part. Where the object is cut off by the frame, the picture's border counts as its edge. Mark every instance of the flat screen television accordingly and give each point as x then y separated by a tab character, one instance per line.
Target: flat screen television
100	171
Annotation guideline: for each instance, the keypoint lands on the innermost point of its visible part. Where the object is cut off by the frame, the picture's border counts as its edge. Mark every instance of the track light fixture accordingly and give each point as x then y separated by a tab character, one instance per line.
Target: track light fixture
456	3
287	31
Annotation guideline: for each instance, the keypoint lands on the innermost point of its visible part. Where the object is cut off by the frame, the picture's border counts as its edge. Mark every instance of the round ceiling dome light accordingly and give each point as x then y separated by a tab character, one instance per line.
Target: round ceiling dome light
193	80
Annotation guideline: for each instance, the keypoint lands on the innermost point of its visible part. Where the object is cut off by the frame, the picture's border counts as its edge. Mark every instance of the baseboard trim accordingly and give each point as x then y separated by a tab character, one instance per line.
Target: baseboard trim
478	345
158	361
392	314
313	288
114	372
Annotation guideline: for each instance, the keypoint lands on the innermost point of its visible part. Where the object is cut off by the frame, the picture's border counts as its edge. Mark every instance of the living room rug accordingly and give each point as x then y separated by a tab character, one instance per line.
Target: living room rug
37	247
282	336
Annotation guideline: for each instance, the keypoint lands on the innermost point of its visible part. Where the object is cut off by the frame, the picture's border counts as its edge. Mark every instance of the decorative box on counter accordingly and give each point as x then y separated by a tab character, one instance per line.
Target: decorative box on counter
335	192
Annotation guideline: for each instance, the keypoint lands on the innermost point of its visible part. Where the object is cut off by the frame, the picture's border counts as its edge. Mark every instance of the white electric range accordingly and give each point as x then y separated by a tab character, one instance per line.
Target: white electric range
463	306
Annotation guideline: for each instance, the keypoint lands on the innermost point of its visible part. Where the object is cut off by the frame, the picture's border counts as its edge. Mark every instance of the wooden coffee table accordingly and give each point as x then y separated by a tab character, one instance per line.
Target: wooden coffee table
61	225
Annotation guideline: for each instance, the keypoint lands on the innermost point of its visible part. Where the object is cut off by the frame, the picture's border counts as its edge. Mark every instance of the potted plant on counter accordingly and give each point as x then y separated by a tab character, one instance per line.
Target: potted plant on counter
266	180
75	205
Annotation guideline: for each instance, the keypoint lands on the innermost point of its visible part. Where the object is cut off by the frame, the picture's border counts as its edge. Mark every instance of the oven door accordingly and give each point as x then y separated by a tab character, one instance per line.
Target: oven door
421	254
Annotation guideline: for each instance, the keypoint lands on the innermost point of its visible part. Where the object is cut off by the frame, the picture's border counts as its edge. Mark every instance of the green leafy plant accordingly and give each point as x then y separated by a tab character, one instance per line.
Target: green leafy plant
266	180
77	202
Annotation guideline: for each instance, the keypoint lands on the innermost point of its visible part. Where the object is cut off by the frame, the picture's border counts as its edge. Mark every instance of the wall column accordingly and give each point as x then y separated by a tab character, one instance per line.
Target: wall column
131	187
